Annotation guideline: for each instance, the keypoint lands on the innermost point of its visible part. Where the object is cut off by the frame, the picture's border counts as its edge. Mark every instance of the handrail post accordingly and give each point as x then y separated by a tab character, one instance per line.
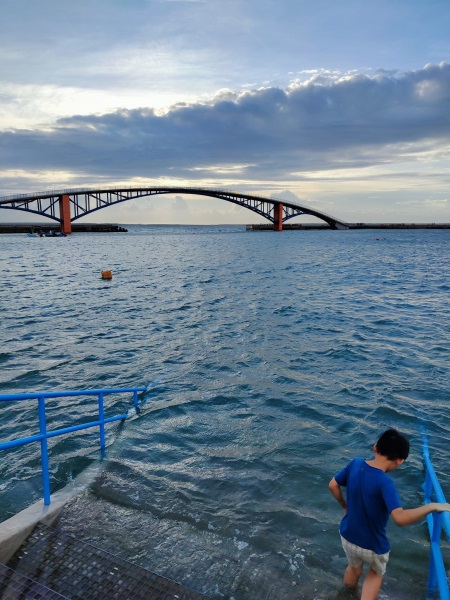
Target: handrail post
428	487
435	533
101	418
432	575
44	450
437	521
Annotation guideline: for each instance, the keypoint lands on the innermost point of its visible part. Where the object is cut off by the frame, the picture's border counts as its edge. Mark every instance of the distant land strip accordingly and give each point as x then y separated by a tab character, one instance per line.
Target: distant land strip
54	227
110	228
312	226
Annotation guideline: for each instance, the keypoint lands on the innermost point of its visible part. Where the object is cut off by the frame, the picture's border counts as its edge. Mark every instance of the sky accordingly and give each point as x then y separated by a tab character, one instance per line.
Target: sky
340	105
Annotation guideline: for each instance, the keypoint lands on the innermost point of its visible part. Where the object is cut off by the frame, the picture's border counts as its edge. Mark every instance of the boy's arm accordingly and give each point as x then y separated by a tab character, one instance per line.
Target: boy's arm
335	489
410	515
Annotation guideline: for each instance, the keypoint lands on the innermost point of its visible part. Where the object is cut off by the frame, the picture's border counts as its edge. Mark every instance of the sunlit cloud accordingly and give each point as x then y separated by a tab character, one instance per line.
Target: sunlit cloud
222	169
431	203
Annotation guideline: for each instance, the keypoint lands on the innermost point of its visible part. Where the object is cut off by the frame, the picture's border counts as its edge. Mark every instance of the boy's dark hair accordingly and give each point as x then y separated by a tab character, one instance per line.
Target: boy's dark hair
393	444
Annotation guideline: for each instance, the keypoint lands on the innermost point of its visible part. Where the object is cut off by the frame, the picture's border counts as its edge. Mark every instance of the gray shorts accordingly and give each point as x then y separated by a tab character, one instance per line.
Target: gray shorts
356	556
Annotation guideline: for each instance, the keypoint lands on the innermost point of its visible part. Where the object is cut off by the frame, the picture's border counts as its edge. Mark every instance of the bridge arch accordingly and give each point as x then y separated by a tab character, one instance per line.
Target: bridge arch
66	206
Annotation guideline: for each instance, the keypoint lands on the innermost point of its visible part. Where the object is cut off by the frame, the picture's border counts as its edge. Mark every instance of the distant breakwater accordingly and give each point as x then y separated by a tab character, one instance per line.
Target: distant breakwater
314	227
111	228
76	228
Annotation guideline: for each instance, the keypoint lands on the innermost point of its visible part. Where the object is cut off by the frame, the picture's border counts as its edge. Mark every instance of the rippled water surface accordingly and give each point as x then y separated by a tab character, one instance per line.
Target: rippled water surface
271	360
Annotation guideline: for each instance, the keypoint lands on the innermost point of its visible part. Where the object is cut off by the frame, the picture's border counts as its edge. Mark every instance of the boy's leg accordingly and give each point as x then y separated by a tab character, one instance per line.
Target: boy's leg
352	575
371	585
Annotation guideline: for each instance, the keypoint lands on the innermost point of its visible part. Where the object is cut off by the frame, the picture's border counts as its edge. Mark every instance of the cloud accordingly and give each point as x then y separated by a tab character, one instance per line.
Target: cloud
429	203
326	122
179	204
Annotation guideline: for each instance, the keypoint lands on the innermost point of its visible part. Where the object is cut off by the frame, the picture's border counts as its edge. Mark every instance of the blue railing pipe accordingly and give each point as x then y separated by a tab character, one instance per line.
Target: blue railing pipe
432	485
56	432
43	435
101	415
437	576
61	394
44	450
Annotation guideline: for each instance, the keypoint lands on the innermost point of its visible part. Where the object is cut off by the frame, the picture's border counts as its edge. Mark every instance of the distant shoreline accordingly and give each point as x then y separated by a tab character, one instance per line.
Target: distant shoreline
114	228
303	227
53	227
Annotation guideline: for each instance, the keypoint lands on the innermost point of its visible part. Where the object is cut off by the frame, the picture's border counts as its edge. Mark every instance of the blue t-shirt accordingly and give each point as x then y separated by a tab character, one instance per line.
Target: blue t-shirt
371	497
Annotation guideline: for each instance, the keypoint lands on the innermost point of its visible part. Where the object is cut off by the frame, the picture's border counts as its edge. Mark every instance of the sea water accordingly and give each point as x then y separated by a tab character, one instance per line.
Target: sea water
271	360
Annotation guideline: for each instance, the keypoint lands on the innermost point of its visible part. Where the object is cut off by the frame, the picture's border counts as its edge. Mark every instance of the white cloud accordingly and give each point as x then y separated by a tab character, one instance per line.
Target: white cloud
429	203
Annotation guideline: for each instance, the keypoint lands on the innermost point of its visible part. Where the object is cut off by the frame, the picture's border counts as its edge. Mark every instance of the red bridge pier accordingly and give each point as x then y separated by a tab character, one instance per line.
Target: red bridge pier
64	213
278	216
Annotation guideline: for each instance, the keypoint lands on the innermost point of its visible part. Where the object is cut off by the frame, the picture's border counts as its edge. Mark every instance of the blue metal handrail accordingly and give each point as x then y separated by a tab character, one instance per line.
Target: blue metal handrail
43	434
437	576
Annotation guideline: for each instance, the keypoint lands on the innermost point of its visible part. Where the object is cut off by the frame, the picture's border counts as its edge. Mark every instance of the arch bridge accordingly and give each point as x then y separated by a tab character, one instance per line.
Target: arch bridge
66	206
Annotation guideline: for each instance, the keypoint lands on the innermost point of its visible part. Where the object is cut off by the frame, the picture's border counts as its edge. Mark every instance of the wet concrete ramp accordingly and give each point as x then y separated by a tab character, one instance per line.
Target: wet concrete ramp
53	564
14	585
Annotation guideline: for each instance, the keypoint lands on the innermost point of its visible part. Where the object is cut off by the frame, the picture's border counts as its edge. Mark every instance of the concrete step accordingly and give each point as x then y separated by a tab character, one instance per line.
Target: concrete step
68	568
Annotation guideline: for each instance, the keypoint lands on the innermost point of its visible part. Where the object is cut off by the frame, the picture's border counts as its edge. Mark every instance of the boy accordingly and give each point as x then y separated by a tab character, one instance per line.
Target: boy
371	498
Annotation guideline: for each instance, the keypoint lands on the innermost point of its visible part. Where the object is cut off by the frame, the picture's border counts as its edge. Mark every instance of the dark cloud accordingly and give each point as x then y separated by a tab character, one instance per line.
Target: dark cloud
323	124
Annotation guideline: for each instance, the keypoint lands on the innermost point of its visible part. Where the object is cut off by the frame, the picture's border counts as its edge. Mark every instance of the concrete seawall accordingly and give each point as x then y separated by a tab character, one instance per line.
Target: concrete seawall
14	531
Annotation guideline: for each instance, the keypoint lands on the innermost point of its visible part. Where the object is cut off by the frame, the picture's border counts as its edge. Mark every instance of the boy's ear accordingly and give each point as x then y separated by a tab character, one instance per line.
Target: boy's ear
375	449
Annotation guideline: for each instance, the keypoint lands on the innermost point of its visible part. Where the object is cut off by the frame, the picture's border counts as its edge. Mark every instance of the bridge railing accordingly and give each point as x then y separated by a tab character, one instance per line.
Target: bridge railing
104	188
87	190
44	434
437	576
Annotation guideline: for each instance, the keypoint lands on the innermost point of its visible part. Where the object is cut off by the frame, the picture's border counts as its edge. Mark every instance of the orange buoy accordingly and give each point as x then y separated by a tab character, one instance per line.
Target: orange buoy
106	275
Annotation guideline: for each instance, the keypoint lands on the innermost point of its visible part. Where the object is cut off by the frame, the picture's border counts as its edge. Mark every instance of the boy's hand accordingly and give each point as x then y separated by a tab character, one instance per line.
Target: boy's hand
442	506
335	489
